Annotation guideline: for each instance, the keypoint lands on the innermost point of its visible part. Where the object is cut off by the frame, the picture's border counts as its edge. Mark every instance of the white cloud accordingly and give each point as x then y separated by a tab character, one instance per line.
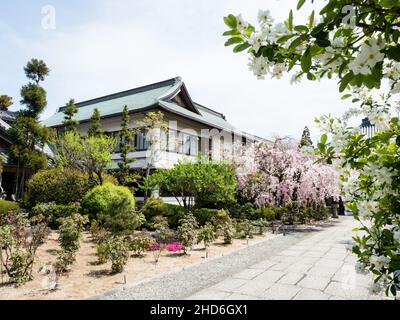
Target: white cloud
125	44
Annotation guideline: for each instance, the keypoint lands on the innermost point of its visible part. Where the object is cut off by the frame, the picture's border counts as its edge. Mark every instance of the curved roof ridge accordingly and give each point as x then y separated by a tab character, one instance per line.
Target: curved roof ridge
124	93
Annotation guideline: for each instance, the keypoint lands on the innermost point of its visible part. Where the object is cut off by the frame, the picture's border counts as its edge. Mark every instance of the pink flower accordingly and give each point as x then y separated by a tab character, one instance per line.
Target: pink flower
174	247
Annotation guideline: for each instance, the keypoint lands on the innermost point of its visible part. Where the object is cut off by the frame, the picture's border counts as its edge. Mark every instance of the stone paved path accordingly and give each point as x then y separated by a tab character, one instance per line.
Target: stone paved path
316	267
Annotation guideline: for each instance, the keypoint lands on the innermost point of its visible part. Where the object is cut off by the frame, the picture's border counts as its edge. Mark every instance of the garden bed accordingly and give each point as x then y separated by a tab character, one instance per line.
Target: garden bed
88	278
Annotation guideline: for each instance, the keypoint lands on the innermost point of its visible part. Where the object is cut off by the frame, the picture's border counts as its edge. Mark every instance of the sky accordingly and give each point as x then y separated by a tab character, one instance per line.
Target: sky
99	47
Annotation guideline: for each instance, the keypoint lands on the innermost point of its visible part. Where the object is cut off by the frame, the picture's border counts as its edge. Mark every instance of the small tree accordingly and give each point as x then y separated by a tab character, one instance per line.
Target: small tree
26	131
197	184
126	147
206	235
154	124
70	110
187	231
95	125
5	102
306	138
91	154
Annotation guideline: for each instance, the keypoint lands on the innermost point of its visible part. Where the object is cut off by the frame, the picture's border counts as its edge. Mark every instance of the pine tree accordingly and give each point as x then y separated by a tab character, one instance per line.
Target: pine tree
305	138
126	147
28	135
95	126
70	111
5	102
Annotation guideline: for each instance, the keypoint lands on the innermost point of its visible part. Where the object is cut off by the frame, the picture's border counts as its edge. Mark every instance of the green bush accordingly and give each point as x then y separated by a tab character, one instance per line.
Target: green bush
206	235
205	215
59	185
114	250
113	207
187	231
139	245
241	212
5	207
225	226
154	207
245	229
53	212
174	214
101	252
268	214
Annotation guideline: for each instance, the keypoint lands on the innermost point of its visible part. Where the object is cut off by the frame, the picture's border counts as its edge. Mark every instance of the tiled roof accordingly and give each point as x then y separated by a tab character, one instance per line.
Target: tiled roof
159	94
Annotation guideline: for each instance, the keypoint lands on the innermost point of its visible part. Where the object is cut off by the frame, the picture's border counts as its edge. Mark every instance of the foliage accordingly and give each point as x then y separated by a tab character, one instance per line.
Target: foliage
5	208
206	234
70	110
102	251
70	232
245	229
113	207
306	138
98	233
174	214
154	207
187	231
27	134
196	184
91	154
126	147
5	102
59	185
260	226
116	251
95	125
53	212
19	240
65	259
268	213
225	226
162	229
362	51
241	211
138	245
36	70
204	215
370	180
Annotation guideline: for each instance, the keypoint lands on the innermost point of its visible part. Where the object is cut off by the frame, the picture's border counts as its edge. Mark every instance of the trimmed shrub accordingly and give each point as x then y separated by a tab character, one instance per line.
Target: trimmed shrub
164	233
6	207
139	245
114	250
206	235
225	226
187	231
113	207
245	229
174	214
205	215
154	207
268	214
99	234
59	185
54	212
241	212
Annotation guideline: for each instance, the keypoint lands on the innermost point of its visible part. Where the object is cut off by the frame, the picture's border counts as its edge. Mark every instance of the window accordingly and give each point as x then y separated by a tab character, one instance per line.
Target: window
140	141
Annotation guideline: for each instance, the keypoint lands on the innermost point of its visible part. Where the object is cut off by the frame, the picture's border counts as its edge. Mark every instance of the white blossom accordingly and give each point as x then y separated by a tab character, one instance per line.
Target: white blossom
264	17
379	262
241	23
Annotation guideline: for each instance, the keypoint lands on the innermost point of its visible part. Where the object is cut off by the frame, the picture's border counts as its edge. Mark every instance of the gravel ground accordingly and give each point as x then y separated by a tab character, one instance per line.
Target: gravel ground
183	283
